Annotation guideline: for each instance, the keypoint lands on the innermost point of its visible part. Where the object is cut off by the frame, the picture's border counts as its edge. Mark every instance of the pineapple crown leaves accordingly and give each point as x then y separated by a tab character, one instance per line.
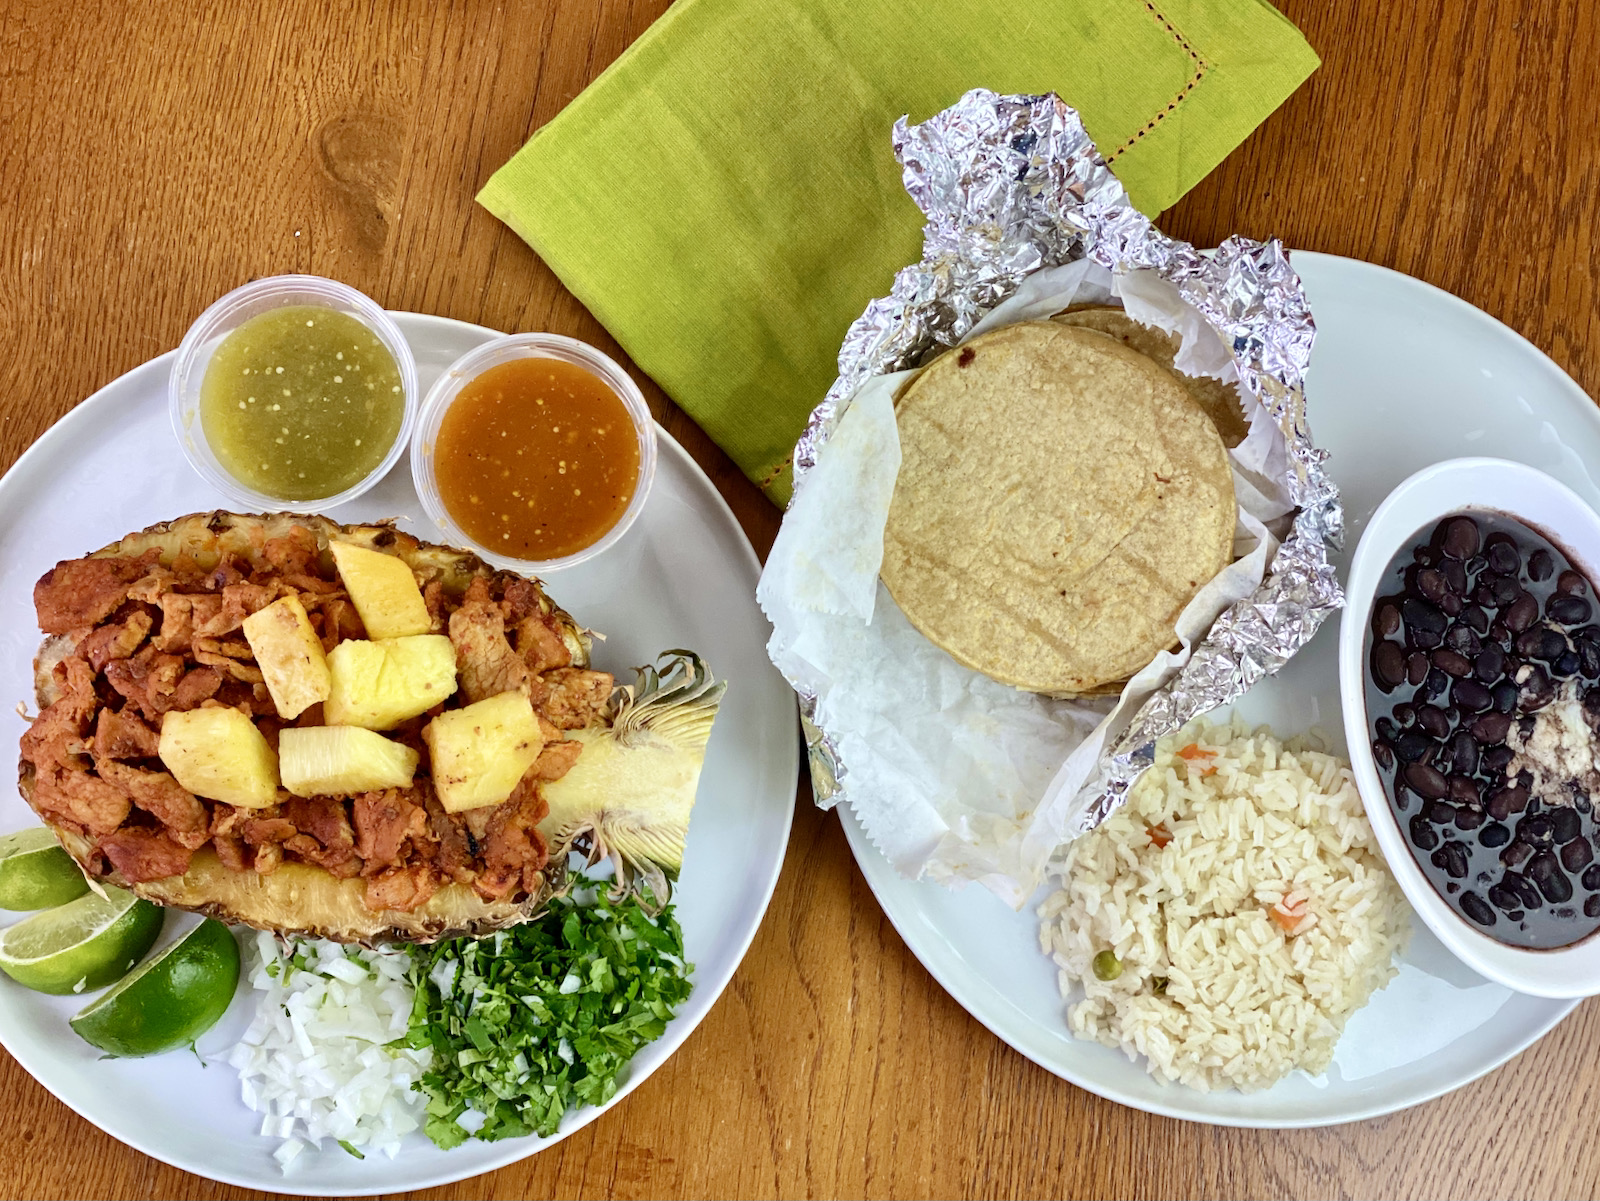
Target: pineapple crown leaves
676	699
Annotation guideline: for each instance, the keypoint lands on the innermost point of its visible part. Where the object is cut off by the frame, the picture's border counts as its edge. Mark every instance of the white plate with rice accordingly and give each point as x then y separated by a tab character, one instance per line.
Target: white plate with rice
1403	375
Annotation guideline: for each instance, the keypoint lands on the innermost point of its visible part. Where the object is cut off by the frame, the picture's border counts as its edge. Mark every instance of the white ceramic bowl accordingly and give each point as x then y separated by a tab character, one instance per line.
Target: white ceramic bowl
1408	515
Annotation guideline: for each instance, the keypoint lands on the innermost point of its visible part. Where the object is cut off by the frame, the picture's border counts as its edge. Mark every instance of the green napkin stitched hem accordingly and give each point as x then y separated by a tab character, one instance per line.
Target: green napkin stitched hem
724	198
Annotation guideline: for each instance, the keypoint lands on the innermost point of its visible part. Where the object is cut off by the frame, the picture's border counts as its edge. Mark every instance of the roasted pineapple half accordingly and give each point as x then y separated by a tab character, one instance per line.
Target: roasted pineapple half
627	796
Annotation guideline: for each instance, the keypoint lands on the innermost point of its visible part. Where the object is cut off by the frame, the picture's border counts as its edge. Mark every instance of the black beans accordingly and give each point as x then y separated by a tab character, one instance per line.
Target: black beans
1577	855
1477	909
1457	537
1431	584
1423	835
1506	802
1385	617
1451	858
1471	697
1505	590
1517	854
1537	830
1421	615
1589	660
1535	689
1412	745
1490	728
1541	642
1527	892
1482	626
1490	663
1567	610
1505	696
1427	782
1504	898
1524	611
1432	719
1545	871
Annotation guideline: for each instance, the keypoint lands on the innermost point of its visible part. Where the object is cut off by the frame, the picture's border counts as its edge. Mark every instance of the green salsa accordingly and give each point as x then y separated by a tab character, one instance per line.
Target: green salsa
301	402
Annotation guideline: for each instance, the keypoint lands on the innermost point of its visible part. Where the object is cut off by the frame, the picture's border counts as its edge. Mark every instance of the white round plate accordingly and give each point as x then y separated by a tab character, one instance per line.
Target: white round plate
683	576
1403	375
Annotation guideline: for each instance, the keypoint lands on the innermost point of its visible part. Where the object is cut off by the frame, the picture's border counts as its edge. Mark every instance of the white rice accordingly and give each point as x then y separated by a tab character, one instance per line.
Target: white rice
314	1061
1245	1001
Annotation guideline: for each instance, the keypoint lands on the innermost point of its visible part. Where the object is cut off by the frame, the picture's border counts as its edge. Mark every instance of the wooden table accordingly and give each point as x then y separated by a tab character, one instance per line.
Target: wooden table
152	157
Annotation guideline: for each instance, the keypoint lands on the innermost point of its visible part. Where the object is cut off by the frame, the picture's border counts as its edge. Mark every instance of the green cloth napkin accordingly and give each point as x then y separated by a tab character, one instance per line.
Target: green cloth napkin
724	198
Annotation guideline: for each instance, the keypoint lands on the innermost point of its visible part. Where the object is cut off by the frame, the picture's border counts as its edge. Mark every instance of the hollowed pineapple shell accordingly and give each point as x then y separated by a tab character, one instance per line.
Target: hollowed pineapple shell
298	898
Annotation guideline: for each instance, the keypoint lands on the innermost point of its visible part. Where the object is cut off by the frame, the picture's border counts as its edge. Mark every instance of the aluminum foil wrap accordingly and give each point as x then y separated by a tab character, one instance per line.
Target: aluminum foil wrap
1012	184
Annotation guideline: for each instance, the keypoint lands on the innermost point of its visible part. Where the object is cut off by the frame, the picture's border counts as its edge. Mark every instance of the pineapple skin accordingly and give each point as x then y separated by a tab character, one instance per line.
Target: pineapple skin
220	755
478	754
342	761
379	684
290	656
383	590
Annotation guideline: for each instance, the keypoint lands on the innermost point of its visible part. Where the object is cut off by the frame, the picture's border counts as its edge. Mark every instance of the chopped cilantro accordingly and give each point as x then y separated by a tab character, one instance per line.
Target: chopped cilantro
352	1149
542	1017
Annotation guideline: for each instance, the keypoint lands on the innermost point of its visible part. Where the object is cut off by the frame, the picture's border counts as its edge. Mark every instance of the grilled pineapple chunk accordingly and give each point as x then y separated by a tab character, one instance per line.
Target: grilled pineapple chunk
383	590
480	752
289	654
342	761
220	755
378	685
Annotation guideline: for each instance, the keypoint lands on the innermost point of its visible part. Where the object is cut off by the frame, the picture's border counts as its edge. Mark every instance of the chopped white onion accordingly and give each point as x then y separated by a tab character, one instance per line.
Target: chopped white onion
313	1062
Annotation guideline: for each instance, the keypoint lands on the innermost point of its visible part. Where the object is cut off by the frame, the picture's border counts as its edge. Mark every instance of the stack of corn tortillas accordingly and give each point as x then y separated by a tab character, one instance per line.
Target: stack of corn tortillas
1063	494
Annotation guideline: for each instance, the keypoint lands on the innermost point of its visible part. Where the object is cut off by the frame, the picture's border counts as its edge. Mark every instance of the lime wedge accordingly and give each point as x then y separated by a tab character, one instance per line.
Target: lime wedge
171	1000
82	945
35	873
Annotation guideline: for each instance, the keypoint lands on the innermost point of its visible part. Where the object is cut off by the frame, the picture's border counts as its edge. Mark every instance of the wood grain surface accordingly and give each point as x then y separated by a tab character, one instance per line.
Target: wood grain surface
152	156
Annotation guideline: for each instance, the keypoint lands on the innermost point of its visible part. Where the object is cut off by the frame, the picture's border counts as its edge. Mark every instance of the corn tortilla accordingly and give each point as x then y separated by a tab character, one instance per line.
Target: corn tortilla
1219	400
1061	498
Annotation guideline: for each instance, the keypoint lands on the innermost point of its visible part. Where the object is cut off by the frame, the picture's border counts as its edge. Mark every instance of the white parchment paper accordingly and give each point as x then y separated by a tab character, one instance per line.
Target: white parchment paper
954	776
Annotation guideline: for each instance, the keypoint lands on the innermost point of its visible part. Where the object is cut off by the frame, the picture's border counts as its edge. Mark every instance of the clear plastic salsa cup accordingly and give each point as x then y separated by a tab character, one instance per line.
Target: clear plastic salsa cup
506	349
233	310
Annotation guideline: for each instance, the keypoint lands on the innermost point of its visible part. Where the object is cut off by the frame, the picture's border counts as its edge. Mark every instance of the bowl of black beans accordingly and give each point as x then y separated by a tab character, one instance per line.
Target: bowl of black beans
1469	673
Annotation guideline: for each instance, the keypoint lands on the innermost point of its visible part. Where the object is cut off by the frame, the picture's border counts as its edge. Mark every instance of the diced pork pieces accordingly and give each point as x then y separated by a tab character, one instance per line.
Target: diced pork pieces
143	640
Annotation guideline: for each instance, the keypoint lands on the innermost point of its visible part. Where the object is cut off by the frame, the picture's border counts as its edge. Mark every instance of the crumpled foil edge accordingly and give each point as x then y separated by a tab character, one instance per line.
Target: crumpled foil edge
1013	184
